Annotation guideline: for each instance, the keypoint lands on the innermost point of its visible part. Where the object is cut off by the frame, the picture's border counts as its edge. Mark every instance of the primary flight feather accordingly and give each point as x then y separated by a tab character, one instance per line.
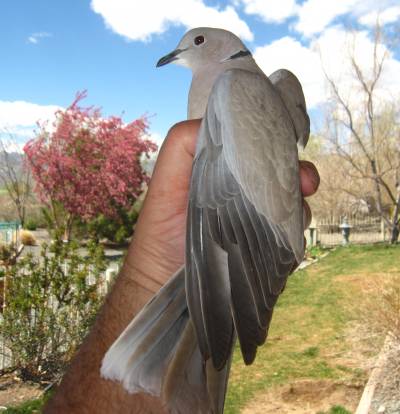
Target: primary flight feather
244	229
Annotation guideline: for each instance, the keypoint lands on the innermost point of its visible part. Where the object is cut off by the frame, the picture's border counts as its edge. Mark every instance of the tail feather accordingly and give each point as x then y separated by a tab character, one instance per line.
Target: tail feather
185	385
217	384
193	385
140	356
158	354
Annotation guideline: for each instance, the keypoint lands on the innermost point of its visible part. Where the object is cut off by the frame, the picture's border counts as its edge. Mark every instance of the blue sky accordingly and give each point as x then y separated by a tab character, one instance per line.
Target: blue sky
52	49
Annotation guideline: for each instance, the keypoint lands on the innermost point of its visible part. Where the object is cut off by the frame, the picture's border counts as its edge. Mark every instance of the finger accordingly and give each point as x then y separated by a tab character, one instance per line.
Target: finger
184	135
307	216
192	131
309	178
174	163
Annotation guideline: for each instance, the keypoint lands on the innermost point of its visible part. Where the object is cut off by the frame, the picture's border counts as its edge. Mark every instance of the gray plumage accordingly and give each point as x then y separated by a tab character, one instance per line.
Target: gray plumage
244	230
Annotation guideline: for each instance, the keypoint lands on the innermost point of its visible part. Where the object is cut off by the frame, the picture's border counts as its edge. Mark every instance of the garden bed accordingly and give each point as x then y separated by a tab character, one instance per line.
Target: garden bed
14	392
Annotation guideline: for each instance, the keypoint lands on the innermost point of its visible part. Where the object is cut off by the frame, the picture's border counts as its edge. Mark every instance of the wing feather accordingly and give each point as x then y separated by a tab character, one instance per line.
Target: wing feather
245	227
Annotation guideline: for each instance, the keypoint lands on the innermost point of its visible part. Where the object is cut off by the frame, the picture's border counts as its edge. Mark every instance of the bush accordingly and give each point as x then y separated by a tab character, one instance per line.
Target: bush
314	252
115	230
27	238
7	251
51	302
381	311
31	224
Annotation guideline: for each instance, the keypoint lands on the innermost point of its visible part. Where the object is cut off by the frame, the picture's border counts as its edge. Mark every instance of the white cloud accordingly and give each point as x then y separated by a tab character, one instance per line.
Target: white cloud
316	15
271	10
334	47
290	54
139	20
337	45
34	38
20	117
389	15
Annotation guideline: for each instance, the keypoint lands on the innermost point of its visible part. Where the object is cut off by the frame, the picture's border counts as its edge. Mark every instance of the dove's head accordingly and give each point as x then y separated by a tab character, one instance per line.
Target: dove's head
204	46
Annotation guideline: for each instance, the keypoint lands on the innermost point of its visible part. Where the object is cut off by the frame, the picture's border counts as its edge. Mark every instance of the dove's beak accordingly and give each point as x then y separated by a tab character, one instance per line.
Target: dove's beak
170	57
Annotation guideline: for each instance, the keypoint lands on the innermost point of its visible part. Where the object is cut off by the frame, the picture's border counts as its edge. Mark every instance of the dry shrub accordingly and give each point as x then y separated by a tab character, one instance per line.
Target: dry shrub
27	238
381	309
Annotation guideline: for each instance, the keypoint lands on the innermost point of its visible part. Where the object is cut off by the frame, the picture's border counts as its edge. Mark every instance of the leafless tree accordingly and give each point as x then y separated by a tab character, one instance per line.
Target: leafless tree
364	129
14	177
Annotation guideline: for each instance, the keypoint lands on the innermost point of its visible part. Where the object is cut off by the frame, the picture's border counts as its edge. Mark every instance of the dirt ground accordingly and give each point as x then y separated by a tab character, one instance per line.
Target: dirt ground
305	397
300	397
14	392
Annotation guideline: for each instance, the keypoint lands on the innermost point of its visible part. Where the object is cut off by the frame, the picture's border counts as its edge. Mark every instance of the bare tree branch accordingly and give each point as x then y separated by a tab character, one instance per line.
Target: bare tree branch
370	149
14	177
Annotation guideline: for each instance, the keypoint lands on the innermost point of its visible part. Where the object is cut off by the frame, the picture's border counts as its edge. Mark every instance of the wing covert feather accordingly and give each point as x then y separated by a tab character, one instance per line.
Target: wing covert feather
259	146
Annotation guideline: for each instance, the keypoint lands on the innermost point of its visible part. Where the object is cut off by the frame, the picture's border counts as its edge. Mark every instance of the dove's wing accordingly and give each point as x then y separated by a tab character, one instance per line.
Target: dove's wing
245	226
291	92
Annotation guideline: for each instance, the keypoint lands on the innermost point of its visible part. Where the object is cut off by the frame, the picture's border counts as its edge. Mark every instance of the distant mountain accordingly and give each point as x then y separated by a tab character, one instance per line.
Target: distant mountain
15	160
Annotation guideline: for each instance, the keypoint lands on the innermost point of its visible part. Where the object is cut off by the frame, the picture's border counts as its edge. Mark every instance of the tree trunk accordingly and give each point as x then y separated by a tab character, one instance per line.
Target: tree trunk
395	234
396	219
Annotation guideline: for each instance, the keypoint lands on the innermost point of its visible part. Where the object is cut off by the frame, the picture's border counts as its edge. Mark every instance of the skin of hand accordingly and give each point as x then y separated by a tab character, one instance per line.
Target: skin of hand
155	253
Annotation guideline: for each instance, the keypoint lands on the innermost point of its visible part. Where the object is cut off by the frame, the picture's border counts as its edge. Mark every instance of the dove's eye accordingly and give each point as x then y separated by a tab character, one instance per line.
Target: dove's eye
198	40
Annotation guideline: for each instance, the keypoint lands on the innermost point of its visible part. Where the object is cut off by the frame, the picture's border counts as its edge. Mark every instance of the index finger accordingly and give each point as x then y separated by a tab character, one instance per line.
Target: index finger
309	178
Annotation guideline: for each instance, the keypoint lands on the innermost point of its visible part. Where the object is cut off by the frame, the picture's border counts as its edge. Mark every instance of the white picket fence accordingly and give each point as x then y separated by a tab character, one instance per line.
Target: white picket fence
106	279
5	354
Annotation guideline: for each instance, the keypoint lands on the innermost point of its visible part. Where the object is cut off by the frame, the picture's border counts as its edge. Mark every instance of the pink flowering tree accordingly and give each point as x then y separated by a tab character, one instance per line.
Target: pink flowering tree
88	166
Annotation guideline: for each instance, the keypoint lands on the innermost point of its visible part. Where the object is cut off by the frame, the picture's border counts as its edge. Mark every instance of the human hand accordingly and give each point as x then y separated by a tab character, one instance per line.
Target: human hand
157	250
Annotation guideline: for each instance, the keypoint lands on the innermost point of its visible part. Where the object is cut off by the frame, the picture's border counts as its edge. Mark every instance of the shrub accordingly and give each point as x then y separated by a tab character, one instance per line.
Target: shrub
7	251
382	312
379	314
50	304
115	230
31	224
27	238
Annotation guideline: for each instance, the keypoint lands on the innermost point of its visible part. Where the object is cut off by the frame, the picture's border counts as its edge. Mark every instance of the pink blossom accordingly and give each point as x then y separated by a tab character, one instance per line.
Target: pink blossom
90	164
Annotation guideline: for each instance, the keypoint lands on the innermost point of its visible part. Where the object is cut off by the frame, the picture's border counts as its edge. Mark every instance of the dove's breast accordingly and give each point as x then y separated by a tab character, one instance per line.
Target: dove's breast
200	90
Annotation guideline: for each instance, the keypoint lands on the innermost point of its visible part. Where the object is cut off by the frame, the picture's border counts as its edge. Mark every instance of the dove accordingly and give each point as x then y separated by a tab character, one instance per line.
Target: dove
244	233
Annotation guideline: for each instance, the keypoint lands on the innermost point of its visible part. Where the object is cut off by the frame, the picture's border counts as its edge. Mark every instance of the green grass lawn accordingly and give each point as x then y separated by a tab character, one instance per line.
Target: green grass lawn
308	334
309	331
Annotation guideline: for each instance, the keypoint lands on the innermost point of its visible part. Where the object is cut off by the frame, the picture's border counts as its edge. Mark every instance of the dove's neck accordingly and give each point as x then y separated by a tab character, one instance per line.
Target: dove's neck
203	81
